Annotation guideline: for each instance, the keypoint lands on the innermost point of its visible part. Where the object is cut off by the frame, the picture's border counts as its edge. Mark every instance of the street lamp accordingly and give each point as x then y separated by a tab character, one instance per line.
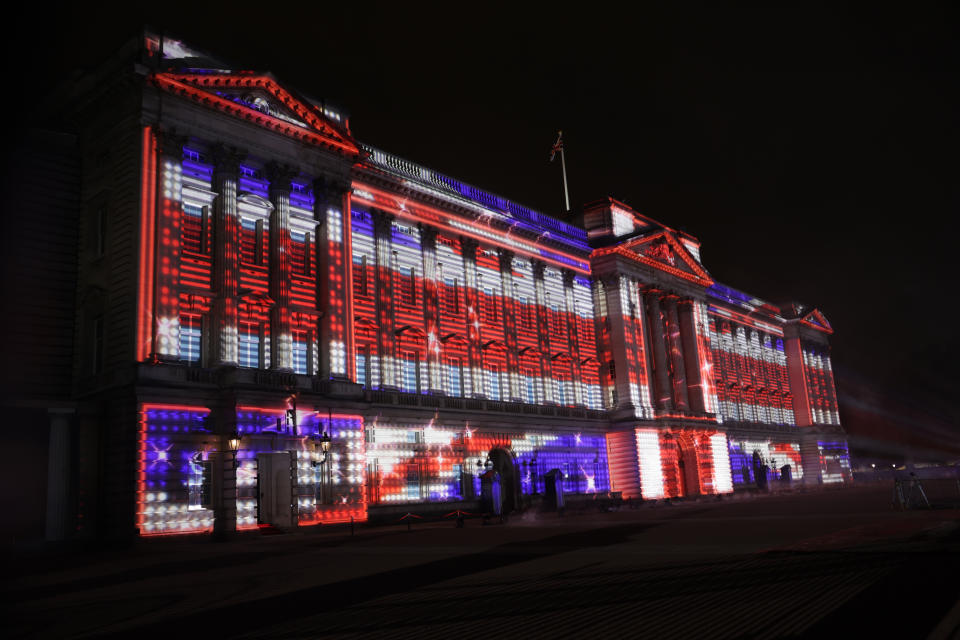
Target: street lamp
234	444
322	441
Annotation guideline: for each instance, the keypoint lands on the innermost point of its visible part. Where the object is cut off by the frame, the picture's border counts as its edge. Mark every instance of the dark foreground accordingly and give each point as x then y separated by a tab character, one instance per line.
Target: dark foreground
826	564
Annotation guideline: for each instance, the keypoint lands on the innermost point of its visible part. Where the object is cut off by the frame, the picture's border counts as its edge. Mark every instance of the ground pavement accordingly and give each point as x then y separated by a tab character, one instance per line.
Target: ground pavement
830	563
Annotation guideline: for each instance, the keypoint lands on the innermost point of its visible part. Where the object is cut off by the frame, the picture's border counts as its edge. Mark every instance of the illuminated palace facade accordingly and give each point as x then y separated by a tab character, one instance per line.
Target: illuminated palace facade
248	268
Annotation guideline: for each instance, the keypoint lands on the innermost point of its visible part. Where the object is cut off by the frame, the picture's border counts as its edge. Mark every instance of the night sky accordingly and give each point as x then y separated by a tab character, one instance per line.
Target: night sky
813	154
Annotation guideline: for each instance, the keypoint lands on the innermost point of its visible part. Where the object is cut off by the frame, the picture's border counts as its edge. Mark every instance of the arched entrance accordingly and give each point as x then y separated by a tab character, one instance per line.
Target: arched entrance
504	465
682	472
689	467
759	470
684	463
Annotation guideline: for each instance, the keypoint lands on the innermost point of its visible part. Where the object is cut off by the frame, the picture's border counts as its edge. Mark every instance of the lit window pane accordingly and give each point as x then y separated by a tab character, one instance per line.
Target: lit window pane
300	354
190	338
249	348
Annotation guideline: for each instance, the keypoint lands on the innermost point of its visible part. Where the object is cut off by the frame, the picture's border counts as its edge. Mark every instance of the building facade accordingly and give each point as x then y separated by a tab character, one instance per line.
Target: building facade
276	323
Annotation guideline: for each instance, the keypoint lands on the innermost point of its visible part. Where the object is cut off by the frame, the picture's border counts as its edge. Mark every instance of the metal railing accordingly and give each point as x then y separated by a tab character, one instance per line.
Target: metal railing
574	235
401	398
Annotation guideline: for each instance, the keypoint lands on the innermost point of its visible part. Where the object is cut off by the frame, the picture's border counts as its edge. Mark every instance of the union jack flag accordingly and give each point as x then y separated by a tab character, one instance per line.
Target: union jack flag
557	146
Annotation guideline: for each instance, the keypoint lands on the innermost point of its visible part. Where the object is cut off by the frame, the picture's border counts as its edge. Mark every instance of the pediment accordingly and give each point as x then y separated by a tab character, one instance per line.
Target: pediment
261	100
264	102
663	251
817	320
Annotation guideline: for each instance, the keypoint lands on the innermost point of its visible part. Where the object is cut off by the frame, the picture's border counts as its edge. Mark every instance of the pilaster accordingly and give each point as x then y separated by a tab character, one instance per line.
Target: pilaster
226	268
281	343
620	340
679	379
166	326
510	323
691	356
59	475
469	248
386	339
810	459
331	210
543	329
573	343
224	470
431	307
793	350
662	393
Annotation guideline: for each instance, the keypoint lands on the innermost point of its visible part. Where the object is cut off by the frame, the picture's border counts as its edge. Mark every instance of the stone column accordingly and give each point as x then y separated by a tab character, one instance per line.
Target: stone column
810	459
223	470
59	474
431	307
510	323
281	338
573	343
680	399
831	387
688	337
166	326
663	393
543	330
386	338
620	339
226	259
797	376
469	248
645	366
331	210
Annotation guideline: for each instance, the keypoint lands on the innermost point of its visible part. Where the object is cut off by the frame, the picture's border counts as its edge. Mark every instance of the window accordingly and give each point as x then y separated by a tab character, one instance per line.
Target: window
260	243
413	482
249	351
360	275
529	379
489	305
454	377
307	254
564	391
410	286
300	353
556	323
191	229
200	484
248	241
409	372
190	334
493	381
451	296
300	253
528	313
363	366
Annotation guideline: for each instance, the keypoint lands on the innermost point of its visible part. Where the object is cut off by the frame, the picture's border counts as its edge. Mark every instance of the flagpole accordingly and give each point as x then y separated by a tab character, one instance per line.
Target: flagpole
558	146
563	165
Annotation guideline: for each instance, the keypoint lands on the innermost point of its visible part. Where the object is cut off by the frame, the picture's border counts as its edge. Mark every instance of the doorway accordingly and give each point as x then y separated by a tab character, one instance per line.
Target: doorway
504	465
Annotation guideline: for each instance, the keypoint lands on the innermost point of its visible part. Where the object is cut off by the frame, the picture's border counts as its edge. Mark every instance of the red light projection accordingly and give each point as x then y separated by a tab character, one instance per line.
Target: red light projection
201	88
146	245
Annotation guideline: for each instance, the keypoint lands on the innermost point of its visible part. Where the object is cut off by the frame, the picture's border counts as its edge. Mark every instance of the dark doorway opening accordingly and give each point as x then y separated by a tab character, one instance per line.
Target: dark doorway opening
504	465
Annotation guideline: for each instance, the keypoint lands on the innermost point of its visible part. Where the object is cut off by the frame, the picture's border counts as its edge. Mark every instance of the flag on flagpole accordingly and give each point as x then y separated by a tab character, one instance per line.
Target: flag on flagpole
557	146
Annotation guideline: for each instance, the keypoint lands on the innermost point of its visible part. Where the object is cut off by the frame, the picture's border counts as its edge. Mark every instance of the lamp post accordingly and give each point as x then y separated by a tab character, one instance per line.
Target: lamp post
233	442
322	442
224	488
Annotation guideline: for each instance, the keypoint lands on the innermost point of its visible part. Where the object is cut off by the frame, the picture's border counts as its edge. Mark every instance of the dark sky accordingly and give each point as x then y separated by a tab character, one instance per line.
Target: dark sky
813	153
